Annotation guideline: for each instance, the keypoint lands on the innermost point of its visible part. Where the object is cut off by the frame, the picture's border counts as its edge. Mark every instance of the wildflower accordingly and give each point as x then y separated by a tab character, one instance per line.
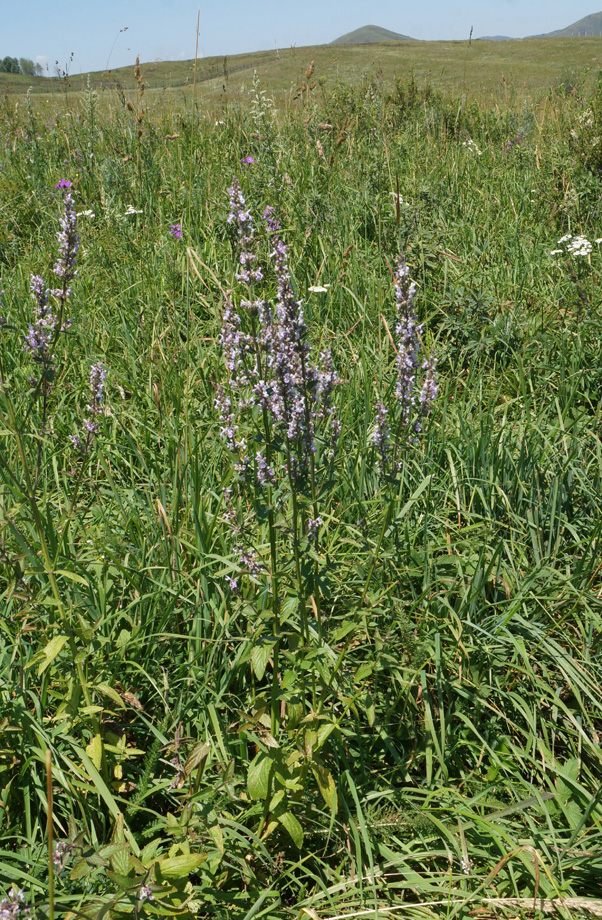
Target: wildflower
430	388
273	224
313	526
381	436
63	183
61	853
94	409
232	583
88	213
470	145
131	210
176	231
68	241
14	907
145	893
579	246
39	339
575	245
246	234
318	288
247	161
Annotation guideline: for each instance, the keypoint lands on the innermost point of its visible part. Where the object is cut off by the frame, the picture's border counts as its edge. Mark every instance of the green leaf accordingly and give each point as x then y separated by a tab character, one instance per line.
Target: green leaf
180	866
258	777
106	690
197	756
81	869
120	859
94	751
326	783
260	655
45	657
216	835
291	824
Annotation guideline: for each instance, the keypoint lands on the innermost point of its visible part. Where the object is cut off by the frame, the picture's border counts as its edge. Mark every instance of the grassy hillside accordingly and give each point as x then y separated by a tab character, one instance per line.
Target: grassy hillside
484	70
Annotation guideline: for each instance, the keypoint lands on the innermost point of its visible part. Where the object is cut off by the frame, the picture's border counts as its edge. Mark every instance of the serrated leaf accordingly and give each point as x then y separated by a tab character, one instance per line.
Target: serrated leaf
260	655
80	870
291	824
120	859
180	866
122	881
216	835
106	690
46	656
94	751
326	783
197	756
258	777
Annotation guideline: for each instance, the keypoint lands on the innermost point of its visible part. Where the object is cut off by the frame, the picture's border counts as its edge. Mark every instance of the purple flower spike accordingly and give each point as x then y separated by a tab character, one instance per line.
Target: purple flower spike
176	231
247	161
63	183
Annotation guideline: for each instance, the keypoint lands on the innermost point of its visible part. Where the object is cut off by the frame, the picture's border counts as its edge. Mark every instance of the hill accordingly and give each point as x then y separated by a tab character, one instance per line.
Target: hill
495	38
368	35
485	69
588	27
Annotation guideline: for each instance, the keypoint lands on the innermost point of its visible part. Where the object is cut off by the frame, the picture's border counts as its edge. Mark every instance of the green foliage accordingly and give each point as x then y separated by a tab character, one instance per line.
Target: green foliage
423	730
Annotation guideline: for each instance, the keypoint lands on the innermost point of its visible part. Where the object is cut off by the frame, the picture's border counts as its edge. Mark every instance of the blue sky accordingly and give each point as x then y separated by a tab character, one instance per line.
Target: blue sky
165	29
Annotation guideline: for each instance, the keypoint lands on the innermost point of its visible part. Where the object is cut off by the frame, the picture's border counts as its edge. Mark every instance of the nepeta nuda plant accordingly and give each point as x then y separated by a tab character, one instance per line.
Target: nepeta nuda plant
278	422
49	307
413	404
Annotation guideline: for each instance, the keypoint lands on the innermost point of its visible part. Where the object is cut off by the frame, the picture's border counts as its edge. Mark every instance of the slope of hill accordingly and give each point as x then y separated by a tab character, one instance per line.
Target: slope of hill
589	27
369	34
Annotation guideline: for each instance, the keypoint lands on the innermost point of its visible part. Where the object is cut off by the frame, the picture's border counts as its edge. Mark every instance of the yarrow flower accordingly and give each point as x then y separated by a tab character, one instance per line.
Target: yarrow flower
578	246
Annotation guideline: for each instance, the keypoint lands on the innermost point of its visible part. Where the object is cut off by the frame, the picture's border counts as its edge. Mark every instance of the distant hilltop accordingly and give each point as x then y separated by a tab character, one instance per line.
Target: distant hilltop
588	27
369	34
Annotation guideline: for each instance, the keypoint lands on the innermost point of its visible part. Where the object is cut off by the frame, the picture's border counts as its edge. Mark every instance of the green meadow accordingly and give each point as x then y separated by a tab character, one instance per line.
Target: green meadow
301	486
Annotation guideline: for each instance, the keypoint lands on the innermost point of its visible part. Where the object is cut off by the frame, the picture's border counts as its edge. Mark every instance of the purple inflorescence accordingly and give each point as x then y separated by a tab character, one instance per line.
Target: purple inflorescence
14	907
68	239
40	337
274	362
407	362
98	376
241	216
381	436
176	231
430	387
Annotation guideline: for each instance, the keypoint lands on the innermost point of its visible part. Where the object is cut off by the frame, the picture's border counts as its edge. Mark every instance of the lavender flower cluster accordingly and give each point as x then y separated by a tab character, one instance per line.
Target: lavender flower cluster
413	409
270	367
273	384
94	409
43	333
14	907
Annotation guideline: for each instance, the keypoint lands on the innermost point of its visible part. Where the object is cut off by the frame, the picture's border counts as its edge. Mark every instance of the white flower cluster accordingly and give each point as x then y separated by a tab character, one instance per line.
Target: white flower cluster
574	246
470	144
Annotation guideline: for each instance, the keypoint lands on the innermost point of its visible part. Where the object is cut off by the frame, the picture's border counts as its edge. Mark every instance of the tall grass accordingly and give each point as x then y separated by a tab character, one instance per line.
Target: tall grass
422	730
